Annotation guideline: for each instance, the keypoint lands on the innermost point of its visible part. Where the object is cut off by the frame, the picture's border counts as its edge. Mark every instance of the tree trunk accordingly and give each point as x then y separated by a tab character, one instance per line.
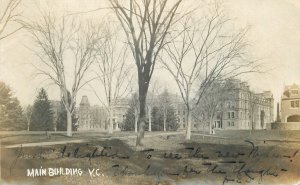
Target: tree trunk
211	120
189	126
141	130
69	123
165	120
149	114
28	123
110	127
210	124
135	120
67	106
143	89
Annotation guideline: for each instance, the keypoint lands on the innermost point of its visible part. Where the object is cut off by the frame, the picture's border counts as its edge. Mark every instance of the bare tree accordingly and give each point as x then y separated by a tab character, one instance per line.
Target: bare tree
253	110
135	102
213	101
146	25
202	51
57	38
154	91
112	70
8	15
28	114
165	103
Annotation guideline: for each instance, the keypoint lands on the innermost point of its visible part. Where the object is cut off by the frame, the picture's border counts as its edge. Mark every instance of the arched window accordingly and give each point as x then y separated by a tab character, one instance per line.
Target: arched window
293	118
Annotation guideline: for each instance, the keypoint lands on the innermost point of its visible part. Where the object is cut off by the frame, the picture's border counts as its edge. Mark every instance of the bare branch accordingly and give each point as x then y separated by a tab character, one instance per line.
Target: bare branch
9	15
204	51
55	38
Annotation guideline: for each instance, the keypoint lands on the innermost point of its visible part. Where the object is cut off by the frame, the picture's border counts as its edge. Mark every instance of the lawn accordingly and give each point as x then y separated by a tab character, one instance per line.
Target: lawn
162	160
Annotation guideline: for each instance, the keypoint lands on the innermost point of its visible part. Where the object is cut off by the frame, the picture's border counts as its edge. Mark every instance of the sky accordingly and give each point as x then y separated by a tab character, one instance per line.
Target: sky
274	36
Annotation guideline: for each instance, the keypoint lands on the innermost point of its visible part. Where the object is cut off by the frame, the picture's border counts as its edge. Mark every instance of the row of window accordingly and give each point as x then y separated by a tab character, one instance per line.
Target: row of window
243	104
183	120
230	123
294	91
231	115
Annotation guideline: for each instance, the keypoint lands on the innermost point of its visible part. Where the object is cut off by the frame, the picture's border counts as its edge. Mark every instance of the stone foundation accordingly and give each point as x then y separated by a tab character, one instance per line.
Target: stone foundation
286	126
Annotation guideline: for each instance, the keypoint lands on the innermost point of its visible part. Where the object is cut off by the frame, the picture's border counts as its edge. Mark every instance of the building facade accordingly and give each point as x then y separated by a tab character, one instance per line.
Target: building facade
56	108
240	108
97	118
84	114
290	104
119	110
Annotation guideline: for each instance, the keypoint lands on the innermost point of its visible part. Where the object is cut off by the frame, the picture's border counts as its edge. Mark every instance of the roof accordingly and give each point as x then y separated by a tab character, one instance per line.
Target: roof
288	91
84	101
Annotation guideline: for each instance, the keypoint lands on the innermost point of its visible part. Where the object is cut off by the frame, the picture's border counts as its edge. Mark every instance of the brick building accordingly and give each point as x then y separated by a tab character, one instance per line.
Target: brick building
97	118
240	108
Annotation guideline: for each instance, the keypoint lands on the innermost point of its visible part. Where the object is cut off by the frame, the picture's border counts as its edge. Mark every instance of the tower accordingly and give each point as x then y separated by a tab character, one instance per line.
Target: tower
84	114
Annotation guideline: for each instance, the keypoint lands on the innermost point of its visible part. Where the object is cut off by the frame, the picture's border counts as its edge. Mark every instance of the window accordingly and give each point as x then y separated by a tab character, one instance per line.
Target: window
183	120
219	116
295	104
228	115
183	125
232	114
295	92
230	124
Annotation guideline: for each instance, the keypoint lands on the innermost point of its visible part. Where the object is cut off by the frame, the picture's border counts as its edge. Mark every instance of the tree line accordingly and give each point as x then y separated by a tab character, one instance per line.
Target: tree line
43	115
162	116
37	117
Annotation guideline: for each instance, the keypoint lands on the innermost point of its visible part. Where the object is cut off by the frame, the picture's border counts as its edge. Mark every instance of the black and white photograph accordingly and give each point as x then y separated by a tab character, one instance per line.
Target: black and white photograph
149	92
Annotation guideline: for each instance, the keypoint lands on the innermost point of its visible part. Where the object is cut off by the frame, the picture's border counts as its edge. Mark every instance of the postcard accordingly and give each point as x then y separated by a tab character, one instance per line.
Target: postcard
149	92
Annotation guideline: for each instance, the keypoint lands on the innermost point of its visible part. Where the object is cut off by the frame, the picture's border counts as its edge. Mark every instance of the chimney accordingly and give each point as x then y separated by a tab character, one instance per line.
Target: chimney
278	116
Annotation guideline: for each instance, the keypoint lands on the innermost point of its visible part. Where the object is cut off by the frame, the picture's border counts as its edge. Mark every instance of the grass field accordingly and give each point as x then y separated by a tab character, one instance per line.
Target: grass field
221	136
164	159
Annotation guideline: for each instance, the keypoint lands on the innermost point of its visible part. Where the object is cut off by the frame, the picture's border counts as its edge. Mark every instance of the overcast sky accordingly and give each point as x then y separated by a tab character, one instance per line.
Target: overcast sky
274	35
